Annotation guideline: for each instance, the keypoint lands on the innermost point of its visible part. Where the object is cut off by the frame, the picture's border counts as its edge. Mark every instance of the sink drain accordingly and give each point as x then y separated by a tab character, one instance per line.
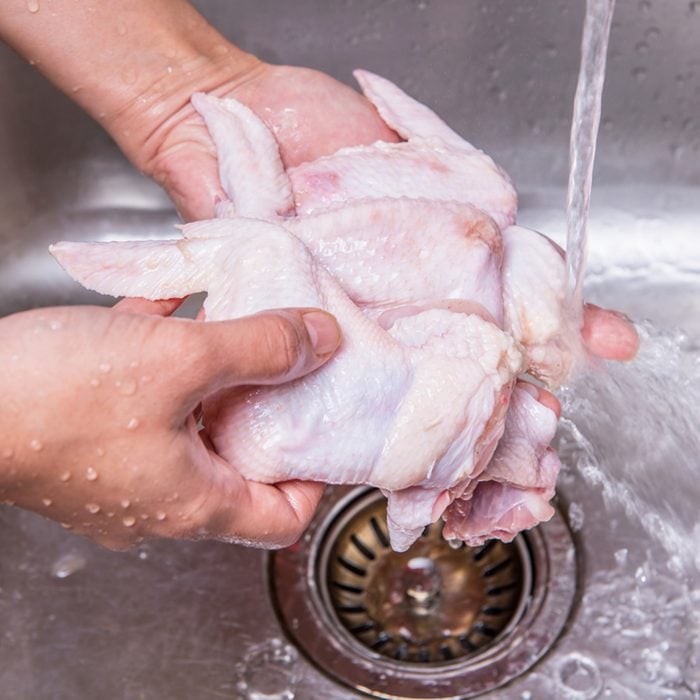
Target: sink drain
441	620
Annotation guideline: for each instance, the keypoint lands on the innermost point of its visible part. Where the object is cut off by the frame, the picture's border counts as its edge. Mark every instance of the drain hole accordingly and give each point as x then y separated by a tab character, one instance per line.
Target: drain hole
440	620
430	604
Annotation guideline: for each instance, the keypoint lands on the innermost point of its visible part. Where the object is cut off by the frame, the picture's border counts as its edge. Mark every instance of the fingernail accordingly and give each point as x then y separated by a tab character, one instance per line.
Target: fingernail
323	331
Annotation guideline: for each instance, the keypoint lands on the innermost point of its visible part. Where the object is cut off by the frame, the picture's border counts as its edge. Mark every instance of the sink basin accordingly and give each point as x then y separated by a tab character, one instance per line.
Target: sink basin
197	620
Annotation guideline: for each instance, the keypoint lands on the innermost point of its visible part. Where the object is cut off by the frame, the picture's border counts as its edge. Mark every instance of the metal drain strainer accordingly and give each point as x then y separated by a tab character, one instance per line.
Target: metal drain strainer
438	621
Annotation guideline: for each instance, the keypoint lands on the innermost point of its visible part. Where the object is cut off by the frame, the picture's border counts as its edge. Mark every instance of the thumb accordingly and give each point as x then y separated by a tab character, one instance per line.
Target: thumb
269	348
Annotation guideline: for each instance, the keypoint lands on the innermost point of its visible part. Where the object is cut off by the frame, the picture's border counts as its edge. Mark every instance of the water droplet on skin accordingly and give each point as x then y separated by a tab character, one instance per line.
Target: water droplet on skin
100	452
36	445
146	378
90	474
220	50
132	424
8	453
129	521
92	508
46	501
105	367
68	564
134	364
94	382
642	47
126	387
143	516
66	526
110	514
125	503
33	6
160	515
57	325
65	476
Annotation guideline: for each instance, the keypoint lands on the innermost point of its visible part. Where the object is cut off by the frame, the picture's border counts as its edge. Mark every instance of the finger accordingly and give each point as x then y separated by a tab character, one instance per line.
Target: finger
608	334
265	515
268	348
136	305
546	398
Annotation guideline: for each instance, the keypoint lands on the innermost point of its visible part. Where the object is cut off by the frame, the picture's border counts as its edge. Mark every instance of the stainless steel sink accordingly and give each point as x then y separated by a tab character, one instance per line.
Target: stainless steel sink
197	620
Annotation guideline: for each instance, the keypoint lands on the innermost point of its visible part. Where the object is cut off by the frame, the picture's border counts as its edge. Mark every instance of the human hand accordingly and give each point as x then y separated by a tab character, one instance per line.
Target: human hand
98	428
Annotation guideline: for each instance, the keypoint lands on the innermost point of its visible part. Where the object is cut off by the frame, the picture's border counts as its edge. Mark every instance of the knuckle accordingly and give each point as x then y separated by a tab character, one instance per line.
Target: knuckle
284	343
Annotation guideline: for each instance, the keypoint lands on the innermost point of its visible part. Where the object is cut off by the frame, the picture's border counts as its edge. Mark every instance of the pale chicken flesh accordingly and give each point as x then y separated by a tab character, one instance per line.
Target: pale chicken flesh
442	302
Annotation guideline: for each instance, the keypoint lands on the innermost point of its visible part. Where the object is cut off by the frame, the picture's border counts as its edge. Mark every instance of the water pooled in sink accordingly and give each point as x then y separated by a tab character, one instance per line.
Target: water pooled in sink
629	445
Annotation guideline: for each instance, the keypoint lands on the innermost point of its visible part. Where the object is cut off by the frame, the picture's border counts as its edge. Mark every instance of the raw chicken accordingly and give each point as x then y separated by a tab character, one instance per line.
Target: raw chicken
440	314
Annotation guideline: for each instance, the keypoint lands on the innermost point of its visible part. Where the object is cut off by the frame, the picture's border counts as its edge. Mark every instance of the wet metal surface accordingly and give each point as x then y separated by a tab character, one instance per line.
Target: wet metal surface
194	620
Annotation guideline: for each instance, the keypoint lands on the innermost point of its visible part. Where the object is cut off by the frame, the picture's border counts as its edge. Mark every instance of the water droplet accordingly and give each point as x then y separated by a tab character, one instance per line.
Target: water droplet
129	521
160	515
126	387
46	501
65	476
8	453
134	364
100	452
146	379
105	367
56	325
642	47
580	674
33	6
640	74
641	575
125	503
143	516
621	556
143	555
90	474
67	564
92	508
94	382
36	445
652	33
66	526
132	424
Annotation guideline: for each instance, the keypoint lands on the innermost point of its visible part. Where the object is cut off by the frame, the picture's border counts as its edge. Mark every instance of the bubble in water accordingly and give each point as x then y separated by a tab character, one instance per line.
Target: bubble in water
126	387
47	502
90	474
621	556
33	6
36	445
132	424
65	476
641	575
92	508
67	564
576	516
579	677
129	521
105	367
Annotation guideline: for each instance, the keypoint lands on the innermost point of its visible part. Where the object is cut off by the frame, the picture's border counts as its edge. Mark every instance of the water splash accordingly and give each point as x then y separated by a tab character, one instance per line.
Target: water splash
584	134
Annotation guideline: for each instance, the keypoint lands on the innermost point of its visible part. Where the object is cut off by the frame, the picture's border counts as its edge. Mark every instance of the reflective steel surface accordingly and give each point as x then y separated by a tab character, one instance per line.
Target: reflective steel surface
195	620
